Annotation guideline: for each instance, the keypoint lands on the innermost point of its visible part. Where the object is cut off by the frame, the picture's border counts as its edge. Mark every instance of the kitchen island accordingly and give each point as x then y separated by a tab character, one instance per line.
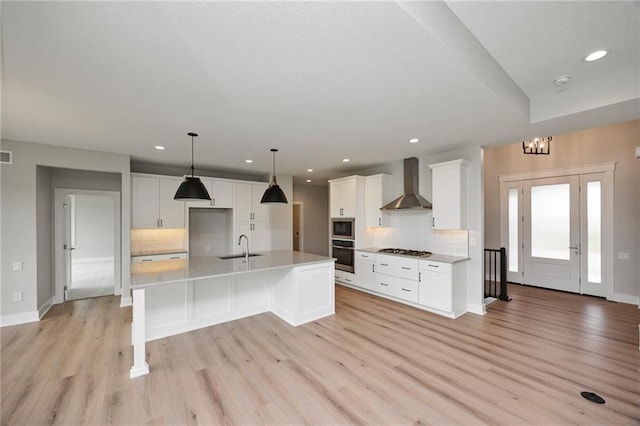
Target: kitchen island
176	296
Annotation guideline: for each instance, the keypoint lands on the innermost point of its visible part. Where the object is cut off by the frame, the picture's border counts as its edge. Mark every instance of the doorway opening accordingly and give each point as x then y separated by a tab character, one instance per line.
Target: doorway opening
87	244
298	240
557	227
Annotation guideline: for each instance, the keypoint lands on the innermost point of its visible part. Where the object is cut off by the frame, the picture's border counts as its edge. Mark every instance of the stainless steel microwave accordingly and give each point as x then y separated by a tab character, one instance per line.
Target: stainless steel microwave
343	229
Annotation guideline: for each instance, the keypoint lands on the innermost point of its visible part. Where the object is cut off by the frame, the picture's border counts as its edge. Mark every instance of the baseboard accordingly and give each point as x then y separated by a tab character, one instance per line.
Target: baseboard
624	298
477	308
21	318
45	308
126	301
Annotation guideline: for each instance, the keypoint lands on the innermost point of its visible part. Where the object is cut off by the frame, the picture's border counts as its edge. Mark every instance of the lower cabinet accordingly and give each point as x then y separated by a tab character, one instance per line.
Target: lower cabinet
443	286
435	290
157	257
345	277
401	288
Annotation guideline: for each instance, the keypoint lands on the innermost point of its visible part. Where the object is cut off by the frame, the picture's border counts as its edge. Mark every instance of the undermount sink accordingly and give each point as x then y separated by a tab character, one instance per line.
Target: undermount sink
238	256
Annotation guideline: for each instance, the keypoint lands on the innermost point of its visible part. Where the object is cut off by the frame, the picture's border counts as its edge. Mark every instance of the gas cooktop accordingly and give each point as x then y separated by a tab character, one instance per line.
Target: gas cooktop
405	252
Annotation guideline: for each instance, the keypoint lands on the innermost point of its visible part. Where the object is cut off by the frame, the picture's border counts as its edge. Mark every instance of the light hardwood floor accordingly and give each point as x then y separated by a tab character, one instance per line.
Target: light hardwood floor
374	362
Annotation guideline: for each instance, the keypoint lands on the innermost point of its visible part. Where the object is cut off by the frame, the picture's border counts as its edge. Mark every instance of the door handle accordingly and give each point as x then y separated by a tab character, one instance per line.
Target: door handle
576	248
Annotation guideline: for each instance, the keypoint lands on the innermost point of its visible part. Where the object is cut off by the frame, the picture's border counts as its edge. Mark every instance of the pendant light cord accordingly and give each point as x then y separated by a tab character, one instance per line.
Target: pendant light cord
192	168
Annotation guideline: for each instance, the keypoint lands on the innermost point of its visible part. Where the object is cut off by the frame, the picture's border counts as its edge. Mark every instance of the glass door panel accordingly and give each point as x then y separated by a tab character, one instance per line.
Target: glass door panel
550	221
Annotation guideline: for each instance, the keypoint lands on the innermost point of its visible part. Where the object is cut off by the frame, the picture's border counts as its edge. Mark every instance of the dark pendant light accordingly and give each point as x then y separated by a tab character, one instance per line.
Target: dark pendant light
273	194
192	189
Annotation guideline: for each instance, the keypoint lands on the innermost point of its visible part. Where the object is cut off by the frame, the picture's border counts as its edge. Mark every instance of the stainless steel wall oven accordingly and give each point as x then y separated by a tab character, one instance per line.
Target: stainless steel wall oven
342	250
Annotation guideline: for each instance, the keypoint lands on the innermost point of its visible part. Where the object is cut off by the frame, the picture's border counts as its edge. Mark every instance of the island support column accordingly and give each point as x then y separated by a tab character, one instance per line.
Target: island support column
140	366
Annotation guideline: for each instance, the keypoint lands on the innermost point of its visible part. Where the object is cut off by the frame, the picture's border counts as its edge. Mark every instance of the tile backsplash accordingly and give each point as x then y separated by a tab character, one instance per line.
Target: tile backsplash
412	229
148	240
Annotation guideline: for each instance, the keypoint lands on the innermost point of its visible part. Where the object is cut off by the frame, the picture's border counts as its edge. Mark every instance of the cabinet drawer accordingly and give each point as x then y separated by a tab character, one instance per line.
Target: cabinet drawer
397	287
427	265
365	255
157	257
397	266
345	277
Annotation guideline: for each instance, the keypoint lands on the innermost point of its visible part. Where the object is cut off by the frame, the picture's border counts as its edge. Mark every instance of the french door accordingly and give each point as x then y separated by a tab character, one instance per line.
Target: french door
556	230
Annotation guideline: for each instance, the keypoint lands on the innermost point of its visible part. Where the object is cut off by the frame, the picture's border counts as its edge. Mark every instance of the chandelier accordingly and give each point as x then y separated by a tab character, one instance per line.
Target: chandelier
537	146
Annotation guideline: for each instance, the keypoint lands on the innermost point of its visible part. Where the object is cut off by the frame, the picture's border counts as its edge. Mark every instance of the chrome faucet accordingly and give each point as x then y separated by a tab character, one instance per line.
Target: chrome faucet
246	253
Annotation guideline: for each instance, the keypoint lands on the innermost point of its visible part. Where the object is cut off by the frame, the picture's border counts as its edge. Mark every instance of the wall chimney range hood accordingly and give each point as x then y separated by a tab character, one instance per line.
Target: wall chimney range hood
411	199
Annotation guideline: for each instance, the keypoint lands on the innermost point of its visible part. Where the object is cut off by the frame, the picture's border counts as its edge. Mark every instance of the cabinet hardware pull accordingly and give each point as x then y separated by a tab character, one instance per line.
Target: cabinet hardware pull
147	260
161	223
405	268
379	221
175	257
347	280
364	255
384	264
433	222
419	277
434	266
384	284
406	289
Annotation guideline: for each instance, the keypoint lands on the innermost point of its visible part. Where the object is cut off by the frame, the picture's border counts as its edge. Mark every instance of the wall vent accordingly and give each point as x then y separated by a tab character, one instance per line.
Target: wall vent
6	157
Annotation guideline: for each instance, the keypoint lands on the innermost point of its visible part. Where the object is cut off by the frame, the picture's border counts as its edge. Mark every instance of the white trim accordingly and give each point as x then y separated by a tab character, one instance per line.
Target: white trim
478	309
21	318
563	171
45	308
624	298
125	301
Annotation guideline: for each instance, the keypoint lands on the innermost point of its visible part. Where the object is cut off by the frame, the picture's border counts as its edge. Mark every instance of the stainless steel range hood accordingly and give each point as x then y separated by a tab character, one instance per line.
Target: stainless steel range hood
410	199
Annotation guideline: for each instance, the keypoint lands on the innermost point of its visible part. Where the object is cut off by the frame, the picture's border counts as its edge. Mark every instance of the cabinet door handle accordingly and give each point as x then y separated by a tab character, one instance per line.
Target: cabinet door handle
364	255
384	284
406	269
384	264
373	267
147	260
379	221
347	280
433	266
161	223
419	277
157	223
175	257
433	222
406	289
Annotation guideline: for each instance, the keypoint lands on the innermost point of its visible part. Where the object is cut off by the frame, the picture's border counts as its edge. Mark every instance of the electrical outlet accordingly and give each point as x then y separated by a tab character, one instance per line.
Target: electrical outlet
623	255
17	266
17	296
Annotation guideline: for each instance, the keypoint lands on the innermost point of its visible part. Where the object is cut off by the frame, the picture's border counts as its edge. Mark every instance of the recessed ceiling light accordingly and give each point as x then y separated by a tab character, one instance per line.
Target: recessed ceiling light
598	54
414	140
345	160
159	147
248	161
309	170
308	180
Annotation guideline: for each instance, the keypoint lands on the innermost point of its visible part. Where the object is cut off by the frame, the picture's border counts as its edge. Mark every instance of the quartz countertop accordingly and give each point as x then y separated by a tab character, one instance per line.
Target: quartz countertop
150	274
435	257
154	252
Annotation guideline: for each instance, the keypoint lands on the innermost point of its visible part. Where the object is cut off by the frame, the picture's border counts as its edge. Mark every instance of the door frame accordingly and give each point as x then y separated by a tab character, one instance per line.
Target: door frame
607	169
301	222
59	237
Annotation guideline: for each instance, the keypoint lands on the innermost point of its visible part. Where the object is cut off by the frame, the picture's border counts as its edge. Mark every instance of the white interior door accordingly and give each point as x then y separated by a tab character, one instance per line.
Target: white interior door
552	233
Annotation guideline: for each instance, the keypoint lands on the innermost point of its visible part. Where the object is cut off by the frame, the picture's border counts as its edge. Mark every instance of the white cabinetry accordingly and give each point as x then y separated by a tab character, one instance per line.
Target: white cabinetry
220	191
343	196
152	203
376	195
345	277
443	286
158	257
449	194
248	196
251	217
365	270
397	277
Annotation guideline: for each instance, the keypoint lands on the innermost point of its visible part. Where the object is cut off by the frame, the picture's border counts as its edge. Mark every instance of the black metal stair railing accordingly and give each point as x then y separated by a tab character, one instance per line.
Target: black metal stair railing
495	273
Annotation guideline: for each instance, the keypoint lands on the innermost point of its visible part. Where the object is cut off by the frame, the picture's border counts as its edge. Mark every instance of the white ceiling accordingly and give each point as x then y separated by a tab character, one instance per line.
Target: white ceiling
321	81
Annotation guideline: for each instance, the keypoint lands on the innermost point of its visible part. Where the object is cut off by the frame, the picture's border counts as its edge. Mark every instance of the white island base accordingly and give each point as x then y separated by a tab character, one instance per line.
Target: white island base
177	296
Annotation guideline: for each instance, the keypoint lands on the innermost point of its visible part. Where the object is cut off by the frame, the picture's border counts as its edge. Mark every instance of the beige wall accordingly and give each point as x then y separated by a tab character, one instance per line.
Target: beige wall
604	144
315	220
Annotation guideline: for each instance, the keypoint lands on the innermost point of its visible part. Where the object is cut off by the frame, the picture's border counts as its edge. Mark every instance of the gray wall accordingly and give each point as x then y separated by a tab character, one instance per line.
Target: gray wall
315	210
44	235
84	179
593	146
19	210
281	218
94	227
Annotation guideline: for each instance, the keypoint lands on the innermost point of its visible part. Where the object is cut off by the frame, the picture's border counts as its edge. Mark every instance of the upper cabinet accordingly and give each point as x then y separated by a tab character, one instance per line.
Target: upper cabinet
152	204
449	194
248	206
376	195
220	191
343	195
